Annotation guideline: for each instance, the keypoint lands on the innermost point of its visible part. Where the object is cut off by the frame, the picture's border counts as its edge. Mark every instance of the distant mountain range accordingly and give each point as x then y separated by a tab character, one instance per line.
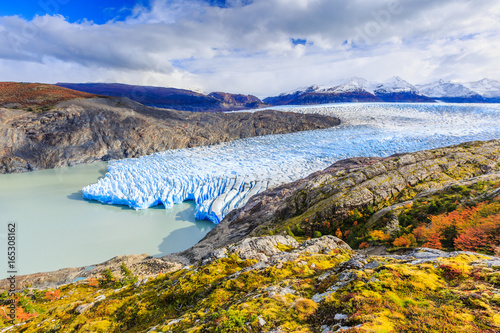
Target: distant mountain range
354	89
394	89
170	98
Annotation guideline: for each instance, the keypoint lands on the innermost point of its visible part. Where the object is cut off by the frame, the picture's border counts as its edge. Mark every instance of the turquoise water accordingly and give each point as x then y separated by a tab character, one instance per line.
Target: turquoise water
56	228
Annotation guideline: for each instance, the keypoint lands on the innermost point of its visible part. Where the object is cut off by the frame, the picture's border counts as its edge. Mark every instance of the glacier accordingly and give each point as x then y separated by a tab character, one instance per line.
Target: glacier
223	177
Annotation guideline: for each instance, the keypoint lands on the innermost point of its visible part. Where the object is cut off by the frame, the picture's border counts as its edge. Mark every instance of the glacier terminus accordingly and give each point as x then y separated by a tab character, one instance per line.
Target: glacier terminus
223	177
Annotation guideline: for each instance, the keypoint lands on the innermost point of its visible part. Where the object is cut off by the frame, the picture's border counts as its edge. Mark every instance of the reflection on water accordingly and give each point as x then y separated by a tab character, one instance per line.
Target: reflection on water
57	228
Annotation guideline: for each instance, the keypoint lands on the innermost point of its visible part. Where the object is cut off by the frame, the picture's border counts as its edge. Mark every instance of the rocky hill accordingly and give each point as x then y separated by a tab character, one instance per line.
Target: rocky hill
87	130
170	98
237	101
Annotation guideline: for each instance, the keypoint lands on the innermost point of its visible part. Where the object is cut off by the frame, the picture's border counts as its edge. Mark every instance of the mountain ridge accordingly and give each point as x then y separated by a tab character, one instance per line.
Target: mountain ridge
395	89
170	98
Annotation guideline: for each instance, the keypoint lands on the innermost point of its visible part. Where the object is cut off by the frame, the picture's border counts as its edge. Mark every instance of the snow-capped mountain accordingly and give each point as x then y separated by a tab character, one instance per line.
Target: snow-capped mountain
348	86
487	88
302	90
351	90
354	89
395	89
442	88
394	85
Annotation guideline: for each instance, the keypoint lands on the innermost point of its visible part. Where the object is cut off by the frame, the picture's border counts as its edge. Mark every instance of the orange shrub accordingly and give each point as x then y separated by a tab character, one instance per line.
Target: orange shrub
53	295
338	233
23	315
434	242
93	282
472	239
364	245
405	241
380	235
475	228
422	232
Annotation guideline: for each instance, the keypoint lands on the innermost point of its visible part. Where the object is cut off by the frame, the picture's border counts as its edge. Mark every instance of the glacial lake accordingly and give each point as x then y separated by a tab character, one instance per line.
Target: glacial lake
57	228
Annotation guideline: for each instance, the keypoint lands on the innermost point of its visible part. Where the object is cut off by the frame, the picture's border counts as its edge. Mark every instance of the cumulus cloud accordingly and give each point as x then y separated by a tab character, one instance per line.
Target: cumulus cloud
248	46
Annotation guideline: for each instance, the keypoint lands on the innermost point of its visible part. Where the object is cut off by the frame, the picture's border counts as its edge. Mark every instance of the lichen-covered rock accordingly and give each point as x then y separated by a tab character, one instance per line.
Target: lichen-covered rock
84	307
294	290
261	248
141	265
323	244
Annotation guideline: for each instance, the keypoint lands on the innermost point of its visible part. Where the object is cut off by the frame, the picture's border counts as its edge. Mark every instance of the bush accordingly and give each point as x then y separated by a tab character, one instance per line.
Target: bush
305	308
467	228
338	233
452	273
405	241
53	295
317	234
364	245
109	278
380	235
298	230
128	277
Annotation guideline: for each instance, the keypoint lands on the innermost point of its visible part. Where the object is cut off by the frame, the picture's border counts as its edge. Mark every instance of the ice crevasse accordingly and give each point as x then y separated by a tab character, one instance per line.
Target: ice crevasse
223	177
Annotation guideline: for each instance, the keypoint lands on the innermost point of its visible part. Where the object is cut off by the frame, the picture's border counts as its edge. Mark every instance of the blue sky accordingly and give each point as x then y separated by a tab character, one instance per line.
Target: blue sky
98	11
262	47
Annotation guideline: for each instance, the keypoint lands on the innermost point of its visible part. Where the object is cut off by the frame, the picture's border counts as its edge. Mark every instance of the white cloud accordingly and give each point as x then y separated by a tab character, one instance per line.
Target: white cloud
247	46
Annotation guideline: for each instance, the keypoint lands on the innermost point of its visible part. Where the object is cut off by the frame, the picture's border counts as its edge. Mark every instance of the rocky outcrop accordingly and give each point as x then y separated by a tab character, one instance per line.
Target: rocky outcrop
270	248
237	101
142	265
83	131
267	251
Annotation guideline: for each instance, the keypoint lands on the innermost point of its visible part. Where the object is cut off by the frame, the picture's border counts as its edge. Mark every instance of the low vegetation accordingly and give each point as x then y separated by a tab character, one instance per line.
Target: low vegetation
459	218
314	292
35	97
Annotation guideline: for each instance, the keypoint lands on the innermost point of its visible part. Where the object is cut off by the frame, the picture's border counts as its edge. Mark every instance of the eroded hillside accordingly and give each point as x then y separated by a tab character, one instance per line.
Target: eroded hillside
87	130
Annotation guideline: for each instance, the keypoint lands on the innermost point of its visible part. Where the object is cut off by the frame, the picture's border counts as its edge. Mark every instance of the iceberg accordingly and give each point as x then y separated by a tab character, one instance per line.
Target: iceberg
223	177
